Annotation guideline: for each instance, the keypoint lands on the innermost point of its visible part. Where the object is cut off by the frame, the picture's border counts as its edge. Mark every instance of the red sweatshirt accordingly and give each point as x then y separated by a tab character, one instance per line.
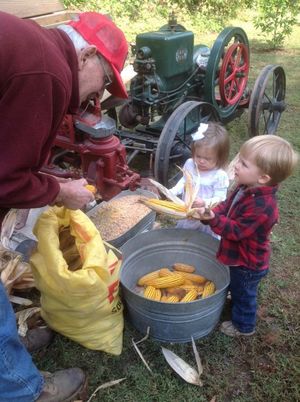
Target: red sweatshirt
38	86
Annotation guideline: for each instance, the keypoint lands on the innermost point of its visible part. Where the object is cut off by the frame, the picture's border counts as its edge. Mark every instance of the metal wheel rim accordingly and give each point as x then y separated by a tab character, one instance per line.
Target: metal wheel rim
265	108
169	135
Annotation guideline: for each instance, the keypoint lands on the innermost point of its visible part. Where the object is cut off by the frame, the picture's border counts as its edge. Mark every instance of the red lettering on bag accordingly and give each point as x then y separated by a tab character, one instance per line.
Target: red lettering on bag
112	288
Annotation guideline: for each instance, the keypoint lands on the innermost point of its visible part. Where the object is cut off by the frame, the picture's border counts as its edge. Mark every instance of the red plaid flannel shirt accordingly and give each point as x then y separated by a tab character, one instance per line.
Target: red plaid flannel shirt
245	227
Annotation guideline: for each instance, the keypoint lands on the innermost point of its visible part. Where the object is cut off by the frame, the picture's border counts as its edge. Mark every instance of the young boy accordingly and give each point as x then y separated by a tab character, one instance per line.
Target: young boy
245	220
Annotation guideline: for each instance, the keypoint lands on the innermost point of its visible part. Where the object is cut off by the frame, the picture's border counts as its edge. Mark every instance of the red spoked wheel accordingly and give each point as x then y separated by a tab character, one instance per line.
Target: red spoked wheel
234	71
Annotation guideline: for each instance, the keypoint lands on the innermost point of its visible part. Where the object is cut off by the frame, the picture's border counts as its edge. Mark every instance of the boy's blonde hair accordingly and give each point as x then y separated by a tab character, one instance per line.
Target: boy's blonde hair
215	137
273	155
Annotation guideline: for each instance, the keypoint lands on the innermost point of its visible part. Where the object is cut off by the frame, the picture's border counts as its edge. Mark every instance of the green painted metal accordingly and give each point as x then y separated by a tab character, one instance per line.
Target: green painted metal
172	51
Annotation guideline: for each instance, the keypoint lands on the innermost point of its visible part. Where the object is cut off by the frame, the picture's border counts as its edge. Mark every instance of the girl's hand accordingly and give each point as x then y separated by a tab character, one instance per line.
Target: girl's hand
198	203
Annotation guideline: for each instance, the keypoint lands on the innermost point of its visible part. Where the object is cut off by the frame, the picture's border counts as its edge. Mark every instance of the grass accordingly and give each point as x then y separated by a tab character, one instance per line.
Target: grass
262	368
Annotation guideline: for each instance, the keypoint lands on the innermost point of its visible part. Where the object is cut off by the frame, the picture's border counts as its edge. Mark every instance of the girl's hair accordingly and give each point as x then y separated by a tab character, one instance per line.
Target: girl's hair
273	155
215	137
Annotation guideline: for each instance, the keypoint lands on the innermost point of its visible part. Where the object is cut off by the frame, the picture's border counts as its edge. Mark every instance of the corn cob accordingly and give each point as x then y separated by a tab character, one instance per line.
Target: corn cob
152	293
184	267
165	281
164	298
166	203
193	277
172	299
188	282
91	188
157	294
150	275
165	272
190	296
166	207
209	289
178	291
187	288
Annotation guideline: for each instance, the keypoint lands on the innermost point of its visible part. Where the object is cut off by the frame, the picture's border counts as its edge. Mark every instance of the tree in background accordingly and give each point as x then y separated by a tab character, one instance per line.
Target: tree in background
276	19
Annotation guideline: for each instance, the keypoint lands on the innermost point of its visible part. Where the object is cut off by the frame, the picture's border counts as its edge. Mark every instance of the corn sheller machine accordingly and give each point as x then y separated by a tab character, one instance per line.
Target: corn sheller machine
177	86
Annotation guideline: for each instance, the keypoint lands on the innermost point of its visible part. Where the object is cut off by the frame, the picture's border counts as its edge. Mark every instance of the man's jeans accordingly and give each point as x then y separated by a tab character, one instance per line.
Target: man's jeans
243	286
20	380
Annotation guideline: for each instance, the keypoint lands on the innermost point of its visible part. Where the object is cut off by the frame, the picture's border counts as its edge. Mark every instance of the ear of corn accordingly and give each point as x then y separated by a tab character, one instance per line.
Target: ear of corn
165	272
190	296
165	281
193	277
151	275
178	291
167	193
165	207
91	188
152	293
184	267
164	298
176	207
172	299
209	289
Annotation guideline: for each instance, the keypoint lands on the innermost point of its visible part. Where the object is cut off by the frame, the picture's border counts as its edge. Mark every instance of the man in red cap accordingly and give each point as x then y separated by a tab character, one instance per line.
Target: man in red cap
45	74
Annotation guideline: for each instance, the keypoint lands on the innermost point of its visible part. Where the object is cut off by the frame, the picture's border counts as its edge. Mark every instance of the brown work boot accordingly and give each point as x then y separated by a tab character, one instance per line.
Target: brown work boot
64	386
37	338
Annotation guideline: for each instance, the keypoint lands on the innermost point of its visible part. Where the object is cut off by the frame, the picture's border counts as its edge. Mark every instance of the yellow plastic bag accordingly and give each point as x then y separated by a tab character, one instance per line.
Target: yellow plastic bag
83	304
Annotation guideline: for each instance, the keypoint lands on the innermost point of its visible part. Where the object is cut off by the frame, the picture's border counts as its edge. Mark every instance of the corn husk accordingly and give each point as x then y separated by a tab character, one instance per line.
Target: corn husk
183	369
22	317
175	207
7	227
15	274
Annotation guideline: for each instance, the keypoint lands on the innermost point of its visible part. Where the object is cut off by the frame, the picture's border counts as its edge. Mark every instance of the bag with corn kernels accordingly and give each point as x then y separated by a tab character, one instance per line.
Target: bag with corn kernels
78	277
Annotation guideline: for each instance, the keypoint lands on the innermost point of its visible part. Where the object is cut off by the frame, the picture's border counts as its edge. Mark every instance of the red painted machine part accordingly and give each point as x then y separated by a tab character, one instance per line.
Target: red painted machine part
234	71
102	161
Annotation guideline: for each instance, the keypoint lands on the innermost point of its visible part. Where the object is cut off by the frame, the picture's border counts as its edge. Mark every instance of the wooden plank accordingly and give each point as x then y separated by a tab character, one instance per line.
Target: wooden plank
54	19
30	8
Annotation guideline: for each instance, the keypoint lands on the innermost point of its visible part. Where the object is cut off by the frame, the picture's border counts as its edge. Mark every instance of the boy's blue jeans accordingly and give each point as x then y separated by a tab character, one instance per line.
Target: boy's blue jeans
20	380
243	286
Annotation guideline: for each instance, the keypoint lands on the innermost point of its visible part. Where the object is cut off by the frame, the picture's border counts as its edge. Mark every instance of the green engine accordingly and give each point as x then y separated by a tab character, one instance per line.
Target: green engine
169	69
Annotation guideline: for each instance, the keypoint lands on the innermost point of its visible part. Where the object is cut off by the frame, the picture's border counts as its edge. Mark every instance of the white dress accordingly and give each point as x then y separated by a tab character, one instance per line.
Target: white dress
213	188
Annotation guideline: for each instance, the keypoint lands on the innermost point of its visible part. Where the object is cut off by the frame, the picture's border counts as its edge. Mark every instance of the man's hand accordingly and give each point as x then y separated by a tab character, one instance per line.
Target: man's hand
73	194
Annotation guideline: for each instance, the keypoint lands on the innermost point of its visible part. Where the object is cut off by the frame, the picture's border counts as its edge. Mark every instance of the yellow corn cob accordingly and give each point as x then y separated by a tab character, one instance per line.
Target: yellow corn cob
178	291
165	281
177	211
193	277
209	289
152	293
157	295
166	203
188	282
165	272
184	267
150	275
164	298
190	296
189	287
91	188
172	299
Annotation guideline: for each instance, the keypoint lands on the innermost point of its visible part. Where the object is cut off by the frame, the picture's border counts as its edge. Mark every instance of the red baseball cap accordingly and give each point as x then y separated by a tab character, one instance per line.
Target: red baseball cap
99	30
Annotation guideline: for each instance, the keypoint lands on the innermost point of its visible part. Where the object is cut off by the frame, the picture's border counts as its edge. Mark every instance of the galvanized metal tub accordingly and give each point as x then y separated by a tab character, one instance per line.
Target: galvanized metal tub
172	322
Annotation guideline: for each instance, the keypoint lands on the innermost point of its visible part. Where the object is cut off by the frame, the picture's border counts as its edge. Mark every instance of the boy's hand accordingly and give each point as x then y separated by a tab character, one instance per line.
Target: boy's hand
204	214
